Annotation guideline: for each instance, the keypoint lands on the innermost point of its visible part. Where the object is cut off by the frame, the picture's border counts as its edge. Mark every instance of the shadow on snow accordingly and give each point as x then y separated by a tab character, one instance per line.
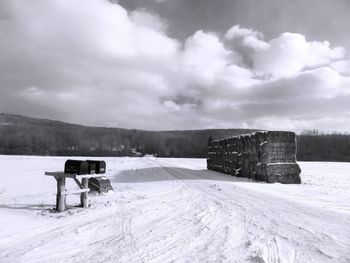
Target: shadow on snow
156	174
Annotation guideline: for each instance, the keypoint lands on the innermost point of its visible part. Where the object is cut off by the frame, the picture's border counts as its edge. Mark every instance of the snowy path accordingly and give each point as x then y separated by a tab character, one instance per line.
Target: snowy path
172	210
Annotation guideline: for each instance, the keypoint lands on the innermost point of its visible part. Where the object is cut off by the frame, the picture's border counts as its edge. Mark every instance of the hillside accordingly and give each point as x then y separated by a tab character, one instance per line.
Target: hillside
32	136
24	135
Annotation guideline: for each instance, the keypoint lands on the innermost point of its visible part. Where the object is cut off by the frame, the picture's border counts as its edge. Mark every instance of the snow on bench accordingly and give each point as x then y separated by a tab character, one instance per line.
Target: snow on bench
62	192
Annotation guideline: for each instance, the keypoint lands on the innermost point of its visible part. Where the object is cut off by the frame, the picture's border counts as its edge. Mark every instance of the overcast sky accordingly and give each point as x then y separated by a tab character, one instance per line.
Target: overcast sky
178	64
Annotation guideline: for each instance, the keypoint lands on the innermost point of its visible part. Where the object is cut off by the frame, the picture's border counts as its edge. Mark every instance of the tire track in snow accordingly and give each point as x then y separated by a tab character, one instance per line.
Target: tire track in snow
164	247
117	227
228	225
258	229
170	234
233	227
195	221
162	226
123	227
273	220
15	251
223	233
124	245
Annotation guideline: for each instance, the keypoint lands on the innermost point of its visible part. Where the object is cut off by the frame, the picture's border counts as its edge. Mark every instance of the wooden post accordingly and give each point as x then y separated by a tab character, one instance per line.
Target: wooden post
84	196
62	192
61	197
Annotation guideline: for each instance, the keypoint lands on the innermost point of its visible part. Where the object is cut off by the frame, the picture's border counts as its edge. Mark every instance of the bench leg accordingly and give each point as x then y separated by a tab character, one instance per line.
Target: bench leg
61	198
84	196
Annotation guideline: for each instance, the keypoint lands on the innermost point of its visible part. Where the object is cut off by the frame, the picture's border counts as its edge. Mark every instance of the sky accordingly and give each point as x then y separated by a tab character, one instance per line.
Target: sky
178	64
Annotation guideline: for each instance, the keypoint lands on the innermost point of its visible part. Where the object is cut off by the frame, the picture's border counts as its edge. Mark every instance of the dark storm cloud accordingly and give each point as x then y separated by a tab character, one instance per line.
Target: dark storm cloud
317	19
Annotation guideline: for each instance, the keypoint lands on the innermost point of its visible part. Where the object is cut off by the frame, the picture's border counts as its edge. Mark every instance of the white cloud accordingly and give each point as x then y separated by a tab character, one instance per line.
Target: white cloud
212	70
145	18
290	53
249	37
92	27
343	67
92	62
205	57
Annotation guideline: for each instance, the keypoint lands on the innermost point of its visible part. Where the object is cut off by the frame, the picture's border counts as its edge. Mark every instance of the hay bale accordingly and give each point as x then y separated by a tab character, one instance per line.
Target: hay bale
267	156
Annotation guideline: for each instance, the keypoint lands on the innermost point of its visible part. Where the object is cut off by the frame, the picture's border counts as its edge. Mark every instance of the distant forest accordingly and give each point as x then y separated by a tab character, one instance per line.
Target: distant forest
30	136
317	146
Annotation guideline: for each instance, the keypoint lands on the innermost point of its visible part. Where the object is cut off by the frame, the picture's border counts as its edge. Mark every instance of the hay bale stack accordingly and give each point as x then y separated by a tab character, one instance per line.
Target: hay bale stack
264	156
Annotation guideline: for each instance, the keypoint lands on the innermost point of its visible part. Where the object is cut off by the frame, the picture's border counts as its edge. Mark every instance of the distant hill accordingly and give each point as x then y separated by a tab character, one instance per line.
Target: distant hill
32	136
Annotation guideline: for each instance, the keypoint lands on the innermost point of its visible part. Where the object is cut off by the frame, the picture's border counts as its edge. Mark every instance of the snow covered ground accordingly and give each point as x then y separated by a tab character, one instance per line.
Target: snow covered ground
174	210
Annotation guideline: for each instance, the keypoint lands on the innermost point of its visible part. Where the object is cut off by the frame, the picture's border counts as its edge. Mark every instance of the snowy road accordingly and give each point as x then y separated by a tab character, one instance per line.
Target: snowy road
173	210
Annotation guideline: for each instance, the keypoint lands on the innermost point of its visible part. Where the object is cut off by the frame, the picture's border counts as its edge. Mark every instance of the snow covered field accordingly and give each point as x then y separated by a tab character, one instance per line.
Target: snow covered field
174	210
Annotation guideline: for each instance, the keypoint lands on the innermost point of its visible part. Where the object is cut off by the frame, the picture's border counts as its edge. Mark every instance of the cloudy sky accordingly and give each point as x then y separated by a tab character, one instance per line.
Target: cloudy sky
178	64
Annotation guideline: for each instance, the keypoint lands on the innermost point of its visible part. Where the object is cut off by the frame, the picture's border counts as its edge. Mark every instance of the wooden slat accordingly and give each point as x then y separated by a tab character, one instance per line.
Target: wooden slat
60	174
80	176
78	191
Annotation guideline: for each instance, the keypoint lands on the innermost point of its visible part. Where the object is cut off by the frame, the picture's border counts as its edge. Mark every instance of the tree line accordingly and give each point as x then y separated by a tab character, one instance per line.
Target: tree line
23	135
30	136
317	146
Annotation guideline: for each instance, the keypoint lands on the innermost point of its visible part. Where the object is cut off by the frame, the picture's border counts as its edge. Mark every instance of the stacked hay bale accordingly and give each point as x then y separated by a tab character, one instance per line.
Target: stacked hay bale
266	156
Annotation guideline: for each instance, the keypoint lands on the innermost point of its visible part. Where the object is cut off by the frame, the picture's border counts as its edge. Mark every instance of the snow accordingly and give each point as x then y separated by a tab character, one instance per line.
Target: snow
174	210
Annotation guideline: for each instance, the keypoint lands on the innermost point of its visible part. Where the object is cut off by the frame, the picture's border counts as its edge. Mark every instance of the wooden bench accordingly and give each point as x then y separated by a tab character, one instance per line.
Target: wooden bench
62	192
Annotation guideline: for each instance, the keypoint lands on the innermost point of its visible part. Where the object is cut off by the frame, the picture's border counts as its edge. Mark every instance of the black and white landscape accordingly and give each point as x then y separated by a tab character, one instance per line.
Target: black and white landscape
178	64
145	85
174	210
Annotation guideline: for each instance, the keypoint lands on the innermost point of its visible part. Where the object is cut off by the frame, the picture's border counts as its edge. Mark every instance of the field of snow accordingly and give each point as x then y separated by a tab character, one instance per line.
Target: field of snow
174	210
